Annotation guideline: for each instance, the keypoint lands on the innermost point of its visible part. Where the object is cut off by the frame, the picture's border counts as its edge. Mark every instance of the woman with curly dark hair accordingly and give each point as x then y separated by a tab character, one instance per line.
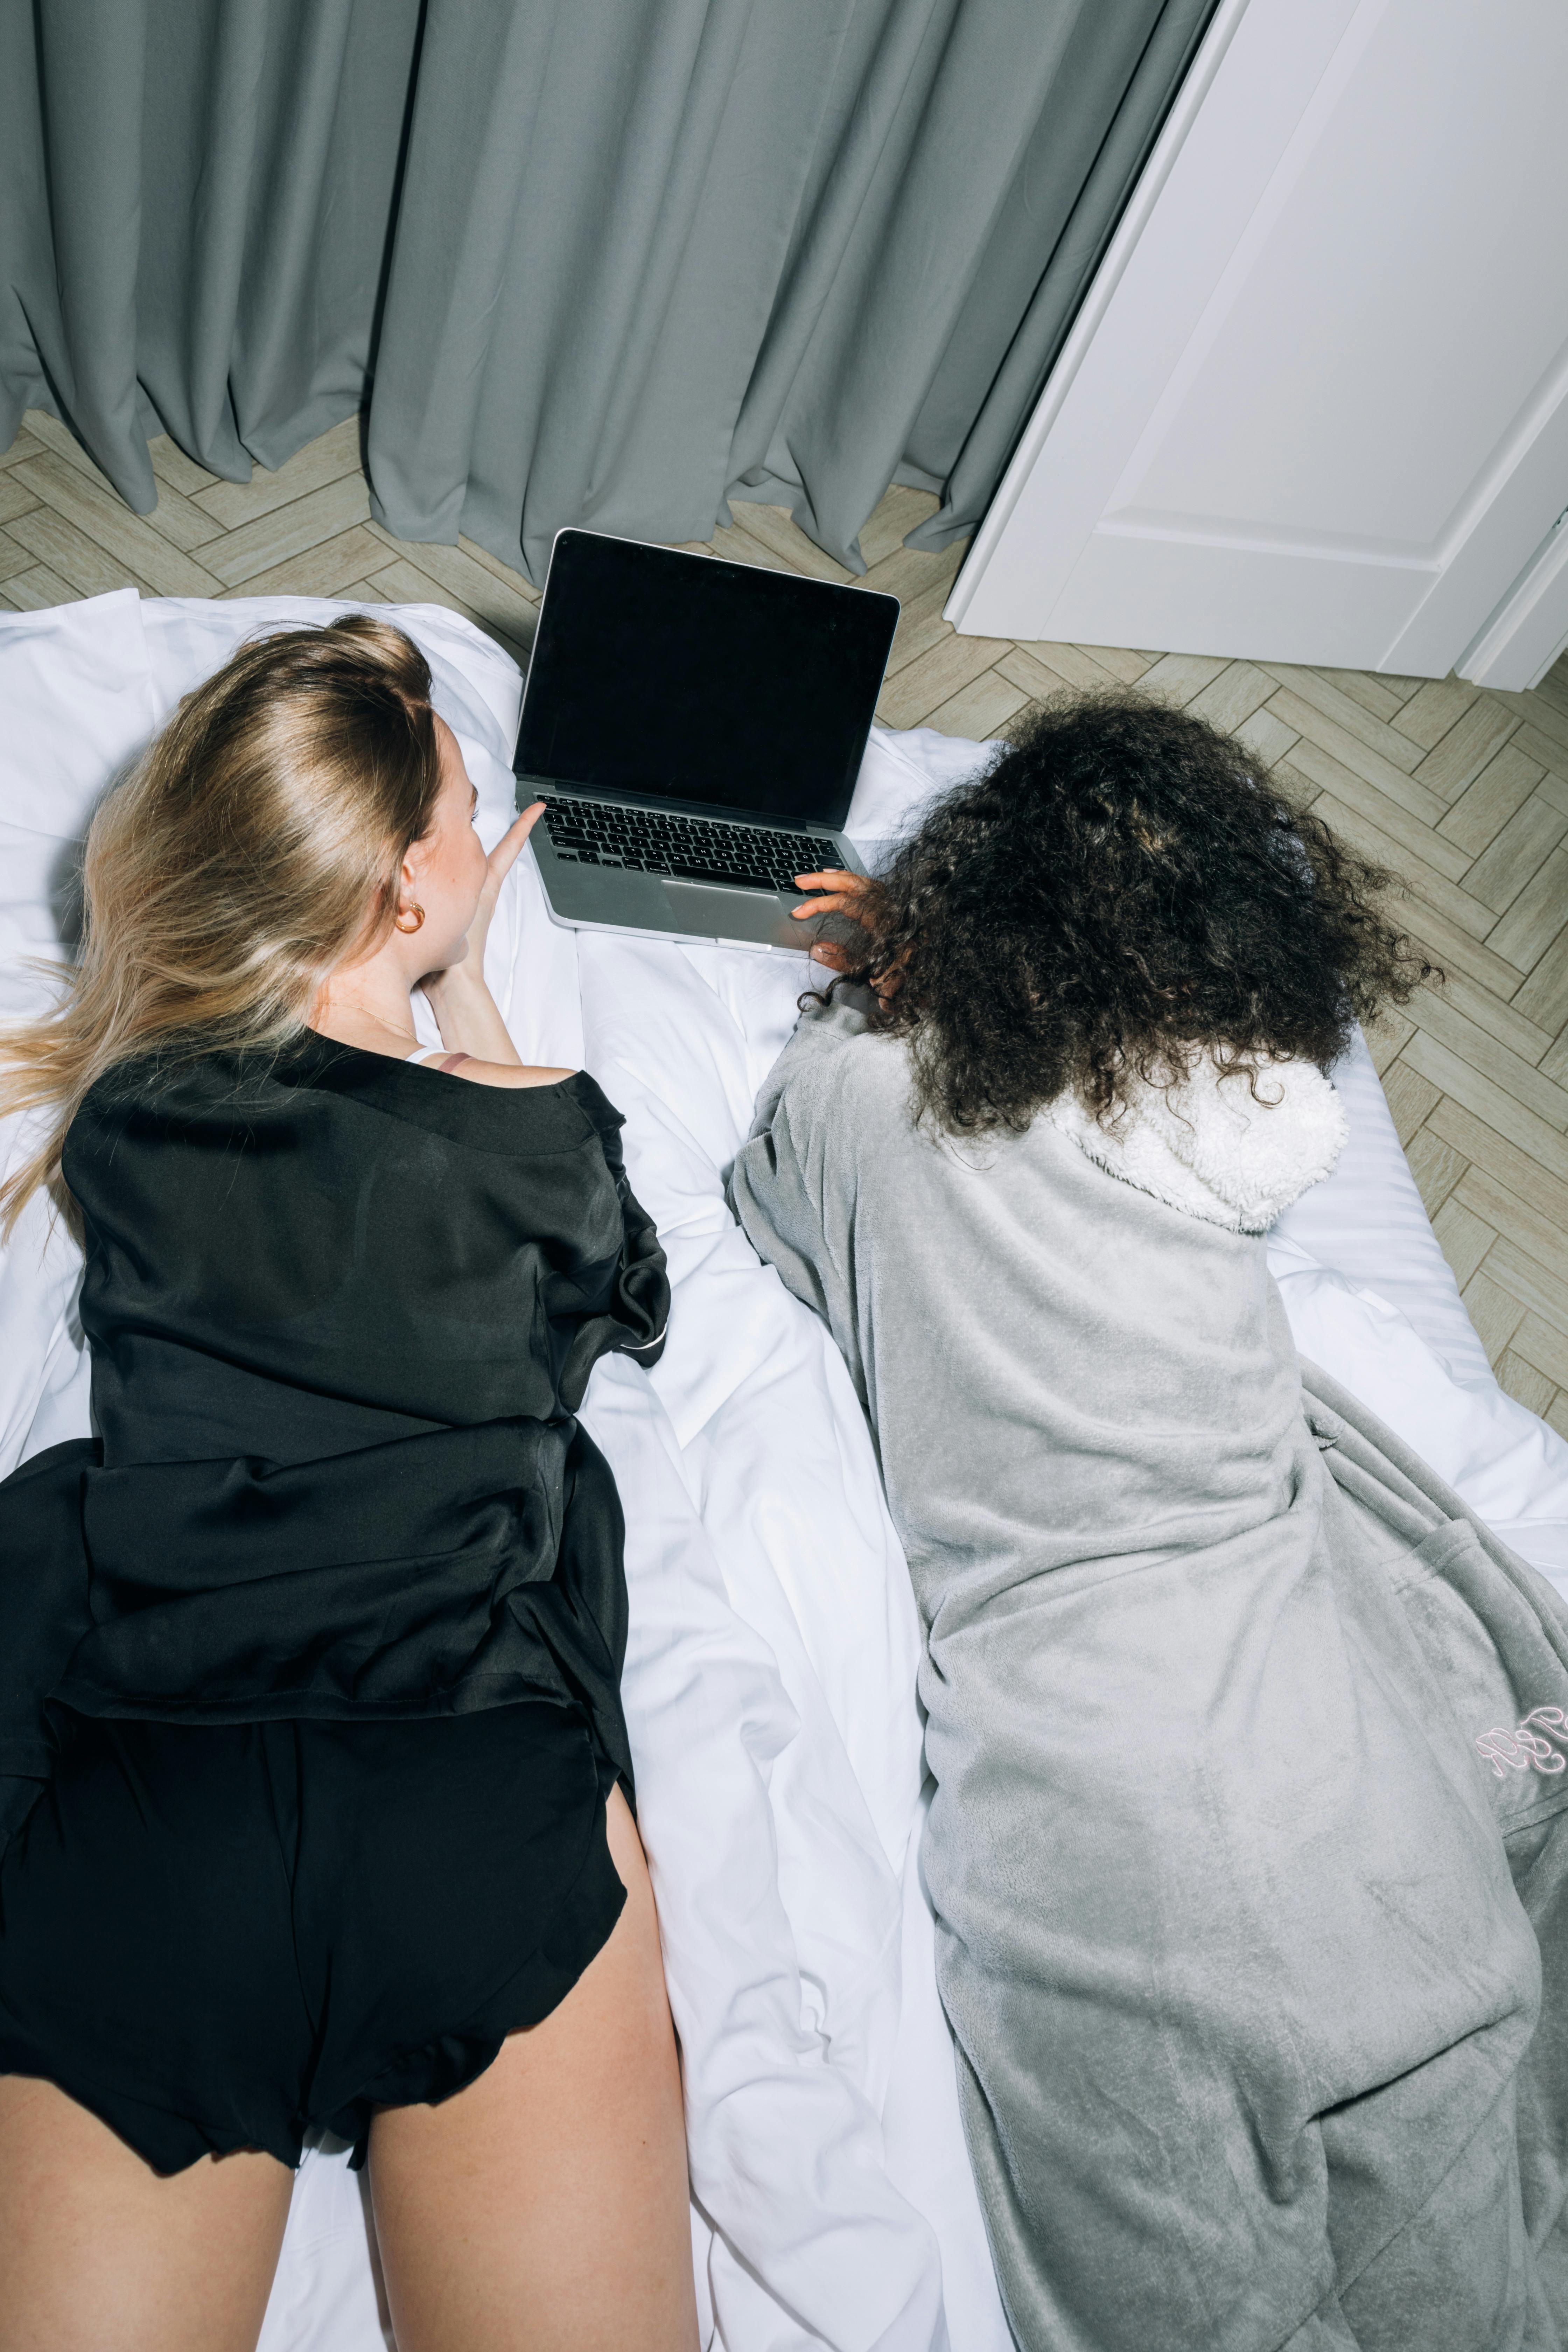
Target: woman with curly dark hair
1224	1866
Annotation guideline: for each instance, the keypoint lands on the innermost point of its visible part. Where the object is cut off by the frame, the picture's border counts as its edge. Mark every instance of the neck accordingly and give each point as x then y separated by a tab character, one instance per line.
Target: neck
368	997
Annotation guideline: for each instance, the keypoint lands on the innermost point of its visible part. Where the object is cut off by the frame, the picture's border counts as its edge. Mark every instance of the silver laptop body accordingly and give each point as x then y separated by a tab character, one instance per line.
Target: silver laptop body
694	727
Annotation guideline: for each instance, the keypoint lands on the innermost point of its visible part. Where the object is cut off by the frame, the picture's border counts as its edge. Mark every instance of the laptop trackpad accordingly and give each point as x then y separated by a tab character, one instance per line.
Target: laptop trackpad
718	913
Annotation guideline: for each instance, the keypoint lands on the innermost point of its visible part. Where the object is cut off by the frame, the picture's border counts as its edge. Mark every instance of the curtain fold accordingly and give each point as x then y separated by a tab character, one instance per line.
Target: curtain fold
614	264
595	213
70	225
194	207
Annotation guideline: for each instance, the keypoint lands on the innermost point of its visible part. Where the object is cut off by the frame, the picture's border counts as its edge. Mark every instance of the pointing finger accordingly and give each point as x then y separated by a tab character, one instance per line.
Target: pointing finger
503	856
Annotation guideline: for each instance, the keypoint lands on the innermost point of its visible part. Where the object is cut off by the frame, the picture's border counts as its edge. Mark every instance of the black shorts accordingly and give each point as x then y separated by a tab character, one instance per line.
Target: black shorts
222	1937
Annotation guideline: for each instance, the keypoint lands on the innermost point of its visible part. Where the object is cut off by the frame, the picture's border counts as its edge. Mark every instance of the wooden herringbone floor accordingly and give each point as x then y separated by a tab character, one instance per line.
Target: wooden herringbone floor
1464	794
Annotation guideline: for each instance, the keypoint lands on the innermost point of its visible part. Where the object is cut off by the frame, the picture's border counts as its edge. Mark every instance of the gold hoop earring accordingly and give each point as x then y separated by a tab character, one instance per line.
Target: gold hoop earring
399	925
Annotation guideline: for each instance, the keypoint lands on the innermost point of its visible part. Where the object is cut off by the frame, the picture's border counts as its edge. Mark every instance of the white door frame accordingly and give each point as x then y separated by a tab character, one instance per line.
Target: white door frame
1529	629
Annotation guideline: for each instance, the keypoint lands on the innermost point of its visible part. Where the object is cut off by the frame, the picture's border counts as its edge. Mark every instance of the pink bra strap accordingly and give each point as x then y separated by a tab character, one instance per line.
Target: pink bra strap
450	1061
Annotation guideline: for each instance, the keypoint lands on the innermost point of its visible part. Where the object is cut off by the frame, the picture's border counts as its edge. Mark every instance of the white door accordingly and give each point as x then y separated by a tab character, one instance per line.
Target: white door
1316	407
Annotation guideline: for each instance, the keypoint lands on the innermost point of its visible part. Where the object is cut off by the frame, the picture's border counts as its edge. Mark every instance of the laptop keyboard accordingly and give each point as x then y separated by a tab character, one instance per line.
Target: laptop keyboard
686	848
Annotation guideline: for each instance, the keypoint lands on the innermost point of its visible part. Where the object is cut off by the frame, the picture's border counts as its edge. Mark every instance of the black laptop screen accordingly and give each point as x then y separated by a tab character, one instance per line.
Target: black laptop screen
687	678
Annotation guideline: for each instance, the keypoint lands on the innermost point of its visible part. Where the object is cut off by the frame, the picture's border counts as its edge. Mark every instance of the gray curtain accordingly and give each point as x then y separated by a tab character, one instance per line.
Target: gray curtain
194	206
612	262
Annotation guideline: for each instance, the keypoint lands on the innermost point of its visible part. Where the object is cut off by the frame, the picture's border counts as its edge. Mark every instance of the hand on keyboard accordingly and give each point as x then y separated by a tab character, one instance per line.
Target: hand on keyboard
856	897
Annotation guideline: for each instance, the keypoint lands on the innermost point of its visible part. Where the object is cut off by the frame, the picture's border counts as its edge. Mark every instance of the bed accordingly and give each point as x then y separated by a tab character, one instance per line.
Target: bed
770	1677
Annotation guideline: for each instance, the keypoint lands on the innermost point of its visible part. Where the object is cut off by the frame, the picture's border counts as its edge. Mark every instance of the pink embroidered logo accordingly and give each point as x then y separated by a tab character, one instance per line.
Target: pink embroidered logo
1523	1747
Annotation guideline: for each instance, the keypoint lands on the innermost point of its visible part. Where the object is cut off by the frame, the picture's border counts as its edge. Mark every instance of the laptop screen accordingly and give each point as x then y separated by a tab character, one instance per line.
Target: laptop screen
689	678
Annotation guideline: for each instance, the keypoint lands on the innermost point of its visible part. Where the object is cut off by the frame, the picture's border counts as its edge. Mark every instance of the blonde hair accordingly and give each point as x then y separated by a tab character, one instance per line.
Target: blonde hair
255	847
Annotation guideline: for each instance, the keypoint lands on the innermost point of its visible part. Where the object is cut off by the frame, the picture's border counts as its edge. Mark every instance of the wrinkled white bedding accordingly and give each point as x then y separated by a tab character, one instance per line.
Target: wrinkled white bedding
770	1679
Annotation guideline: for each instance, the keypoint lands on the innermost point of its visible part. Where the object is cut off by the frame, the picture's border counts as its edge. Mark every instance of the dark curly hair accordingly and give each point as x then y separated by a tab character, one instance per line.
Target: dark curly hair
1123	887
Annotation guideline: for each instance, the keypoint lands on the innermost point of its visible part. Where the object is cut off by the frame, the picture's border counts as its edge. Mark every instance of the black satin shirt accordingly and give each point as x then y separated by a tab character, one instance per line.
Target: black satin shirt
342	1312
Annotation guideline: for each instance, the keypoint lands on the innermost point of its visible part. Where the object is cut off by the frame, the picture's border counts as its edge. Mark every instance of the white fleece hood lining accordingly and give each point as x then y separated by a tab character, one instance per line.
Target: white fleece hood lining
1212	1148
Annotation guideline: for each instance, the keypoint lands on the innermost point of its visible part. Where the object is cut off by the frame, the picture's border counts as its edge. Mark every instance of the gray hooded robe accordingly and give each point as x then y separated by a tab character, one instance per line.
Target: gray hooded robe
1250	1831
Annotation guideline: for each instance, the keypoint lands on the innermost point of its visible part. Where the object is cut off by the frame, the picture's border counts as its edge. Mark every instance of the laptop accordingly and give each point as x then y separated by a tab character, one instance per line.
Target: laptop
694	729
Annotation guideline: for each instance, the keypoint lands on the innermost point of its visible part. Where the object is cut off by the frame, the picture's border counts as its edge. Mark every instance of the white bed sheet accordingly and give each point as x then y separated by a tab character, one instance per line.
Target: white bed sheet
770	1677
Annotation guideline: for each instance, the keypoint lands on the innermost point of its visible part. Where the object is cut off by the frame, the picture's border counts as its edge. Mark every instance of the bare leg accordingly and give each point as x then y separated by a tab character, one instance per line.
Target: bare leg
544	2207
100	2253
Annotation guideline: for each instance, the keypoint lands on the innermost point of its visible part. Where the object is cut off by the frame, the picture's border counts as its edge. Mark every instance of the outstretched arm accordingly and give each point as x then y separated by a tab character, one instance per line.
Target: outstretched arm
466	1012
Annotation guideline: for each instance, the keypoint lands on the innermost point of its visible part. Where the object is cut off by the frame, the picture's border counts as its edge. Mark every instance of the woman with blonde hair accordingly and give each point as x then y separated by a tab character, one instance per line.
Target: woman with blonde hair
313	1774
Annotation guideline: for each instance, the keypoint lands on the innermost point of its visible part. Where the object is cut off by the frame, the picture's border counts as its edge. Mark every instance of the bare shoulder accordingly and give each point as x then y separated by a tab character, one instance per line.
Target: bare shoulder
508	1073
